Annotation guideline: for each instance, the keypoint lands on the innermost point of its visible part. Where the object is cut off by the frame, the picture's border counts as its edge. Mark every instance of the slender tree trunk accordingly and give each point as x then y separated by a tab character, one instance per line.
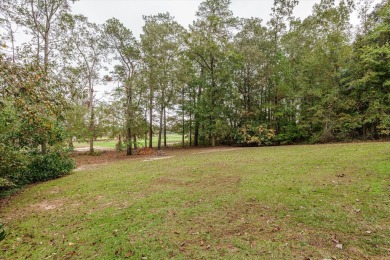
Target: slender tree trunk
91	131
46	52
129	150
135	142
12	36
46	66
146	133
128	121
38	50
276	117
160	128
212	116
183	130
151	117
197	98
190	128
120	142
165	128
270	105
196	130
92	117
43	147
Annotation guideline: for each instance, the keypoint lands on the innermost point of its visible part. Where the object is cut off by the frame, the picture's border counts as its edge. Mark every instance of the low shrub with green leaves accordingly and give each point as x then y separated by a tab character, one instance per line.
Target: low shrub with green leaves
13	166
119	146
20	168
49	166
255	135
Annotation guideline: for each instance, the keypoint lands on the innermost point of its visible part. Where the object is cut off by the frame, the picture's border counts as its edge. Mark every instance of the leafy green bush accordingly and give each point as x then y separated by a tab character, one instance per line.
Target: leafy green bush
255	135
49	166
18	168
13	166
119	146
290	134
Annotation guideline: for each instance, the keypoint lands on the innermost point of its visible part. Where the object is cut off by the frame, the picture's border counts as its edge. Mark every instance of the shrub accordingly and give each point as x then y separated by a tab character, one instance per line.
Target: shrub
119	146
49	166
290	134
255	135
6	184
13	166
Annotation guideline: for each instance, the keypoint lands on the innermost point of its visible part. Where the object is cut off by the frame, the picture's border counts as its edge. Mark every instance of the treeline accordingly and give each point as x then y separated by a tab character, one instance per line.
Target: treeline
222	80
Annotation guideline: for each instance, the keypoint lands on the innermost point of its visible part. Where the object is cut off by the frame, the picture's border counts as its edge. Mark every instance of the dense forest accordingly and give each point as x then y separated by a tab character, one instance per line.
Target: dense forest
222	80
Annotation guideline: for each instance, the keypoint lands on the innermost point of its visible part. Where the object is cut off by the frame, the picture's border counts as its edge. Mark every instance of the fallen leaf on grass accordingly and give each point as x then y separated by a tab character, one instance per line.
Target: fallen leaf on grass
276	229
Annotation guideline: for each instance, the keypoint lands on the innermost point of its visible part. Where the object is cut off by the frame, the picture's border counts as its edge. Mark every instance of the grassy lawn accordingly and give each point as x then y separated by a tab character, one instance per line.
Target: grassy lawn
171	139
278	202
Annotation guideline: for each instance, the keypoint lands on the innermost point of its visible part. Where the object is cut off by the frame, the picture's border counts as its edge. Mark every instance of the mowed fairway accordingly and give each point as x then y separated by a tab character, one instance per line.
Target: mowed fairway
171	139
288	202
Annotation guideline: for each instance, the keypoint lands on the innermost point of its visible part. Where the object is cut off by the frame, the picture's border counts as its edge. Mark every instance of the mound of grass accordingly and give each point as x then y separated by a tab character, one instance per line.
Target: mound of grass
278	202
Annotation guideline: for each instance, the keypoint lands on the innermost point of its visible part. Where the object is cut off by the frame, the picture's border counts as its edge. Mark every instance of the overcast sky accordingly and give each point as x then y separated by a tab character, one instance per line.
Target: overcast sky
130	12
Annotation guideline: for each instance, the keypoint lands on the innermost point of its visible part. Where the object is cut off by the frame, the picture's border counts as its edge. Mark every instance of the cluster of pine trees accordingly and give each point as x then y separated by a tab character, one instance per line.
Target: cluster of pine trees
223	80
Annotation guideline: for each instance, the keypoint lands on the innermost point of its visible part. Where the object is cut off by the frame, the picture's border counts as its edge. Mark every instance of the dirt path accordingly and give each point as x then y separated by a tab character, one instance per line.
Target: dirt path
96	148
86	161
214	150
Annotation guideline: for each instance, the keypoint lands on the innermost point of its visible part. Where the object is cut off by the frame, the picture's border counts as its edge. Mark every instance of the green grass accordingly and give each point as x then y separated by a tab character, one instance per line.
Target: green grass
254	203
171	139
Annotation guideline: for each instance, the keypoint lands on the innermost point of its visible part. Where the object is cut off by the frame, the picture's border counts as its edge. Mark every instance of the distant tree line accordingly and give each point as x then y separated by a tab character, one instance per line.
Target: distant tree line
223	80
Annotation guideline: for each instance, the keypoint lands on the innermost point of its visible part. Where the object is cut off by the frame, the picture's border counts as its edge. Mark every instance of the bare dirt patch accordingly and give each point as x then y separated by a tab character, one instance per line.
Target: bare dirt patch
43	206
215	150
107	156
83	159
47	205
96	148
158	158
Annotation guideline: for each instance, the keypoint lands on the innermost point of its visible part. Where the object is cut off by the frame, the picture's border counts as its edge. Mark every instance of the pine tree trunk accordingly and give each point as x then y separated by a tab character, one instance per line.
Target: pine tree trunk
213	92
151	118
197	98
91	119
135	142
165	128
160	128
129	150
129	135
190	128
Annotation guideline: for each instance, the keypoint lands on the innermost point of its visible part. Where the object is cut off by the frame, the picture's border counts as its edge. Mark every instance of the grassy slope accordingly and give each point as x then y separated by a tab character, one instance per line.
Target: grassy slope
171	139
277	202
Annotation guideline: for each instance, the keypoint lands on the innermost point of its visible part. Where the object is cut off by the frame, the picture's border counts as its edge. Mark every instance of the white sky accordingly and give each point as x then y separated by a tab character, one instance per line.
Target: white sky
130	12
